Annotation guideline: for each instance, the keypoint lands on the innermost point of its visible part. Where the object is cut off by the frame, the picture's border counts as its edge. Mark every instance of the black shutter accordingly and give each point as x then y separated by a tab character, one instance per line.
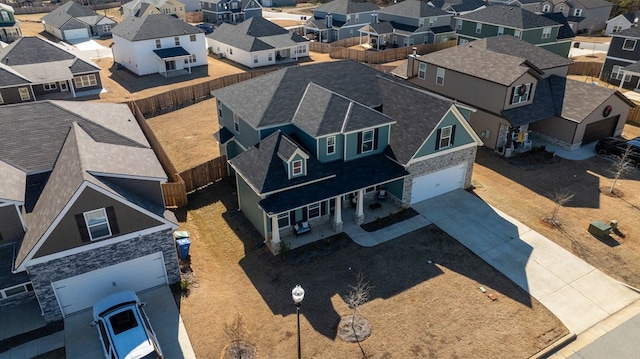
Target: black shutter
359	149
305	212
453	134
438	139
513	92
323	208
292	218
375	139
82	227
113	223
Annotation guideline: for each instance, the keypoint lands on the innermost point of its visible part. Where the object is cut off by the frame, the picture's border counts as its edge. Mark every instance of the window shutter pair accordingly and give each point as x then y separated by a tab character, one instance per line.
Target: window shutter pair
84	231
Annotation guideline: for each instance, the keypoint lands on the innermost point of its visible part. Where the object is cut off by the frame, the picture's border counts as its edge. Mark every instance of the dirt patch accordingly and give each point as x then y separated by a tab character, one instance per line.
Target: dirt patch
426	302
527	196
353	329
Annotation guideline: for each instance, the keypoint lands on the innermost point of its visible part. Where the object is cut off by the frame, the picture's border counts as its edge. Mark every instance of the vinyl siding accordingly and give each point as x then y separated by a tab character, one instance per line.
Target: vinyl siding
10	225
249	205
461	136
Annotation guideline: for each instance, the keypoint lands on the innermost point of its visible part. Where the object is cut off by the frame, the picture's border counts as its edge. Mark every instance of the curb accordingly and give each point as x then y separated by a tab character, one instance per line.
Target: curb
551	349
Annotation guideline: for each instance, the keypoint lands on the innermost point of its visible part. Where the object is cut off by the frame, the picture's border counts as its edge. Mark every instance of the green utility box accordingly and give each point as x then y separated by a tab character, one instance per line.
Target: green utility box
600	229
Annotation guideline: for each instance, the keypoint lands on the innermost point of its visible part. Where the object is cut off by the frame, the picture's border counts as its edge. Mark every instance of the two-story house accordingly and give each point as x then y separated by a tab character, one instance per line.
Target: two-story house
621	22
158	44
408	23
142	8
9	25
32	68
584	16
82	213
257	42
73	21
521	93
313	144
501	20
339	19
458	7
621	66
232	11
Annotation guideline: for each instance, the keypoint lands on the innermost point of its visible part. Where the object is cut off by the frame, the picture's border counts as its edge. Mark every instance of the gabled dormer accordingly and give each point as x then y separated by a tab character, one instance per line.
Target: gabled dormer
293	158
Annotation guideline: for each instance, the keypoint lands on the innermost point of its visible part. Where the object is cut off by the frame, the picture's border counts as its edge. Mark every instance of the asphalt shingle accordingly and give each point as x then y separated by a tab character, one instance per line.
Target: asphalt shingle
154	26
413	9
509	16
347	7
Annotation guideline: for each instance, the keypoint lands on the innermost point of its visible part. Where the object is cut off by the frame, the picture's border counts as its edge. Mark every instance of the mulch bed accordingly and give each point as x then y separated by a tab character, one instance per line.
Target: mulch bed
389	220
536	158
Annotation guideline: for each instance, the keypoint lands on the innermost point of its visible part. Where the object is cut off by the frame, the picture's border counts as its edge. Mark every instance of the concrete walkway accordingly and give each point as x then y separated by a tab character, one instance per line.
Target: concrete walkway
576	292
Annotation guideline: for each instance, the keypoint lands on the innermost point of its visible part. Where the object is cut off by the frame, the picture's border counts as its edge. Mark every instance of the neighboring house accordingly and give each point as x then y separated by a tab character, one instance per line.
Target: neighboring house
622	59
521	93
408	23
501	20
339	19
458	7
142	8
32	68
158	44
82	213
583	15
9	25
233	11
257	42
278	3
73	21
621	22
306	142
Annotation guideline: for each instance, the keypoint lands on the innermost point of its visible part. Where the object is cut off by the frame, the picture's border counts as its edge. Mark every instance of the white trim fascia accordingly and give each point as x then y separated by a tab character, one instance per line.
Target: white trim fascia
24	227
300	152
370	128
438	154
117	175
625	37
255	190
97	244
619	59
467	126
264	195
9	202
622	16
509	27
553	43
346	116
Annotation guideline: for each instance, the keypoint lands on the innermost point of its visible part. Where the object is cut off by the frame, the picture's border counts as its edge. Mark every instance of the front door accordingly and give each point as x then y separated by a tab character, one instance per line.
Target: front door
170	65
63	86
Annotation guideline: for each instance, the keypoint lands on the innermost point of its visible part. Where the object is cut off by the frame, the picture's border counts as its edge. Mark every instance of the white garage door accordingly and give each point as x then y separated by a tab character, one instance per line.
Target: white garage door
84	290
76	34
437	183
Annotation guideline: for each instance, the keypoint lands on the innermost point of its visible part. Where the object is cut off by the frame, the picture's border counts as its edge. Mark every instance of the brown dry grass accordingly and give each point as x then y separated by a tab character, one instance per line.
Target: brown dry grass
417	309
525	195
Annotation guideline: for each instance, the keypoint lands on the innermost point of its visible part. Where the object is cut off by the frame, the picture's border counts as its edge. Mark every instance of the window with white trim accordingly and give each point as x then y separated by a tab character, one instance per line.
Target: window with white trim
421	22
106	28
517	34
617	28
1	99
500	30
577	12
462	41
219	110
546	32
236	123
629	44
440	76
50	86
85	80
255	59
15	290
367	141
177	40
24	93
432	21
617	73
561	9
296	167
313	211
445	137
331	145
478	28
458	24
192	38
283	220
158	44
521	93
546	8
97	224
422	70
5	16
270	57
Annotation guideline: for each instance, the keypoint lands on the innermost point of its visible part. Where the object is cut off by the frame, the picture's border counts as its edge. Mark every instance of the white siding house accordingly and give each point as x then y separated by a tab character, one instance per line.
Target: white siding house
158	44
257	42
620	22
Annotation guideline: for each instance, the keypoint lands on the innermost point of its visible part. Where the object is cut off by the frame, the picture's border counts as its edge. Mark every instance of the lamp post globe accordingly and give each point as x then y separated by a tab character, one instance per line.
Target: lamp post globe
298	295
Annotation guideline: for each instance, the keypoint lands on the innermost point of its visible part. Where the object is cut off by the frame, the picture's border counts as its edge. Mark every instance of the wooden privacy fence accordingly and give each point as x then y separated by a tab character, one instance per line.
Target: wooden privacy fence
341	50
38	7
174	192
634	116
204	174
185	96
584	68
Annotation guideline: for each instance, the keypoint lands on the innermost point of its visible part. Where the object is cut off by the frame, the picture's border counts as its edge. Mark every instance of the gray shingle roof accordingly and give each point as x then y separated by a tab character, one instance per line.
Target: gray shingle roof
71	9
633	31
9	77
154	26
509	45
12	183
413	9
593	4
565	31
541	108
458	5
477	62
32	50
274	97
509	16
575	100
256	34
347	7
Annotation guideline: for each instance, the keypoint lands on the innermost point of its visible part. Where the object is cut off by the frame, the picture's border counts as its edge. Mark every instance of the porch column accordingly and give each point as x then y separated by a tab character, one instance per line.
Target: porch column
275	230
621	82
71	85
359	216
337	217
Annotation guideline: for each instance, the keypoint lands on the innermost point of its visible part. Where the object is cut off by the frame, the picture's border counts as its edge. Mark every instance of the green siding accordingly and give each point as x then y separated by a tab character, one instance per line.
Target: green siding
534	36
462	137
249	205
308	141
352	144
11	21
247	136
465	112
264	133
322	148
395	188
561	48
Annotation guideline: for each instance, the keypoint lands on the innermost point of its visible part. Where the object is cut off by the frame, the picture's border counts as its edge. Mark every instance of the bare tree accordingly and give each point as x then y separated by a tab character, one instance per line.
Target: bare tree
559	198
237	331
621	166
358	295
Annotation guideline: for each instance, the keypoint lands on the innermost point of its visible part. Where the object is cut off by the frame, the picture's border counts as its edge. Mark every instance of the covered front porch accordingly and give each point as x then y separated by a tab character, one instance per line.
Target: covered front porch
174	60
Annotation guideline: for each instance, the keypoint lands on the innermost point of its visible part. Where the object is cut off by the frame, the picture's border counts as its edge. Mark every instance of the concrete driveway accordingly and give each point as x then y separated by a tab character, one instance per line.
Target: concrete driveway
576	292
81	340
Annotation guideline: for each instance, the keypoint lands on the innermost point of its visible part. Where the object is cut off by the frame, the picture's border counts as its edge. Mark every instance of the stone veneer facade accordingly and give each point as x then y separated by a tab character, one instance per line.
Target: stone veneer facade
43	274
438	163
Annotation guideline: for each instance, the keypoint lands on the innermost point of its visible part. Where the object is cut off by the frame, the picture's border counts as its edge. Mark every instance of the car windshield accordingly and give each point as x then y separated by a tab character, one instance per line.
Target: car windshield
123	321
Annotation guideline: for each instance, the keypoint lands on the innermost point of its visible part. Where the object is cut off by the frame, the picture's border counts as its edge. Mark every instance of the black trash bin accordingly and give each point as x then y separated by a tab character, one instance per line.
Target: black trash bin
576	45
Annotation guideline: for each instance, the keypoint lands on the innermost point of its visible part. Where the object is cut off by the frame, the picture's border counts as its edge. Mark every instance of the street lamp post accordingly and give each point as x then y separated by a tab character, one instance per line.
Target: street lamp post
298	295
